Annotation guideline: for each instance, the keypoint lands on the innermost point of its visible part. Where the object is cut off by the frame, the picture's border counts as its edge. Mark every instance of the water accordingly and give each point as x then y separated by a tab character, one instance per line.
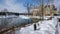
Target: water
12	21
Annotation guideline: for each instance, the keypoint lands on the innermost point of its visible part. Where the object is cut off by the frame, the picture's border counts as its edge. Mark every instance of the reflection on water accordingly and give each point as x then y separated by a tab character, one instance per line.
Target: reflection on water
12	22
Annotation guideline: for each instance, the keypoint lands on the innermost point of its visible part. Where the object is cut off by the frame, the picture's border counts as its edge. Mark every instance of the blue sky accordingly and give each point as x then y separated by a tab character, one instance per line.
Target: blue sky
17	5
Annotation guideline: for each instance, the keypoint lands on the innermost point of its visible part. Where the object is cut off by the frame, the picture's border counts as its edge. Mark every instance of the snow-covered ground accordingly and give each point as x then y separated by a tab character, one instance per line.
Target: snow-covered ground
38	17
46	27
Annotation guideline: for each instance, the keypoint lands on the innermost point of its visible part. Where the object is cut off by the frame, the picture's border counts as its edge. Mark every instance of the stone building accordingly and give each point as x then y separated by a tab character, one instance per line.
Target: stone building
48	10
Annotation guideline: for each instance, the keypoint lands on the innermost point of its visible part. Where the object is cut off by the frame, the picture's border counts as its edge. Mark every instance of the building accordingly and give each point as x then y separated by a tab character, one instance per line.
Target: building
48	10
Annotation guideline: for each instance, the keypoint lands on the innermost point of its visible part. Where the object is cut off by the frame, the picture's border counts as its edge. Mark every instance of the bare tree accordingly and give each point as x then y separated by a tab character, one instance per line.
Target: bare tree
50	1
28	5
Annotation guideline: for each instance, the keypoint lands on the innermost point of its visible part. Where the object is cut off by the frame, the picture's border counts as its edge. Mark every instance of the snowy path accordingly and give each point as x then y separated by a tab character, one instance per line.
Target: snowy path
47	27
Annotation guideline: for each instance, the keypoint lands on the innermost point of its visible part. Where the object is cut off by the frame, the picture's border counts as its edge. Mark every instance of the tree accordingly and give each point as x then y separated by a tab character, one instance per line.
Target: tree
28	5
50	1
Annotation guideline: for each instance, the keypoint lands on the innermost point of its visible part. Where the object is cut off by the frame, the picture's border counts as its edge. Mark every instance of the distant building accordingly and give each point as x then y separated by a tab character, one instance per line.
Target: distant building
48	10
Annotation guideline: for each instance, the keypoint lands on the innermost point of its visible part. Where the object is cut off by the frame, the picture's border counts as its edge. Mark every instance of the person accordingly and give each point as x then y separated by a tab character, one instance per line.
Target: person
34	26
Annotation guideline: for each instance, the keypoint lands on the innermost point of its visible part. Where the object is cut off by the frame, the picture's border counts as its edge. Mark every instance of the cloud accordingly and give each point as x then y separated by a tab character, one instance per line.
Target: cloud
57	3
12	6
17	6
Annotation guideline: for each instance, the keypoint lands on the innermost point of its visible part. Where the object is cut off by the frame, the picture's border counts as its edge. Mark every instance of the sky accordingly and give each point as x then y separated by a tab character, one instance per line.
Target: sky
17	5
12	5
57	3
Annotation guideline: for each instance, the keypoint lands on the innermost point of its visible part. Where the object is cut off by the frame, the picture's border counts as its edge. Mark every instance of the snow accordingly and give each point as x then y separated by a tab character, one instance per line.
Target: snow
38	17
46	27
9	16
24	17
